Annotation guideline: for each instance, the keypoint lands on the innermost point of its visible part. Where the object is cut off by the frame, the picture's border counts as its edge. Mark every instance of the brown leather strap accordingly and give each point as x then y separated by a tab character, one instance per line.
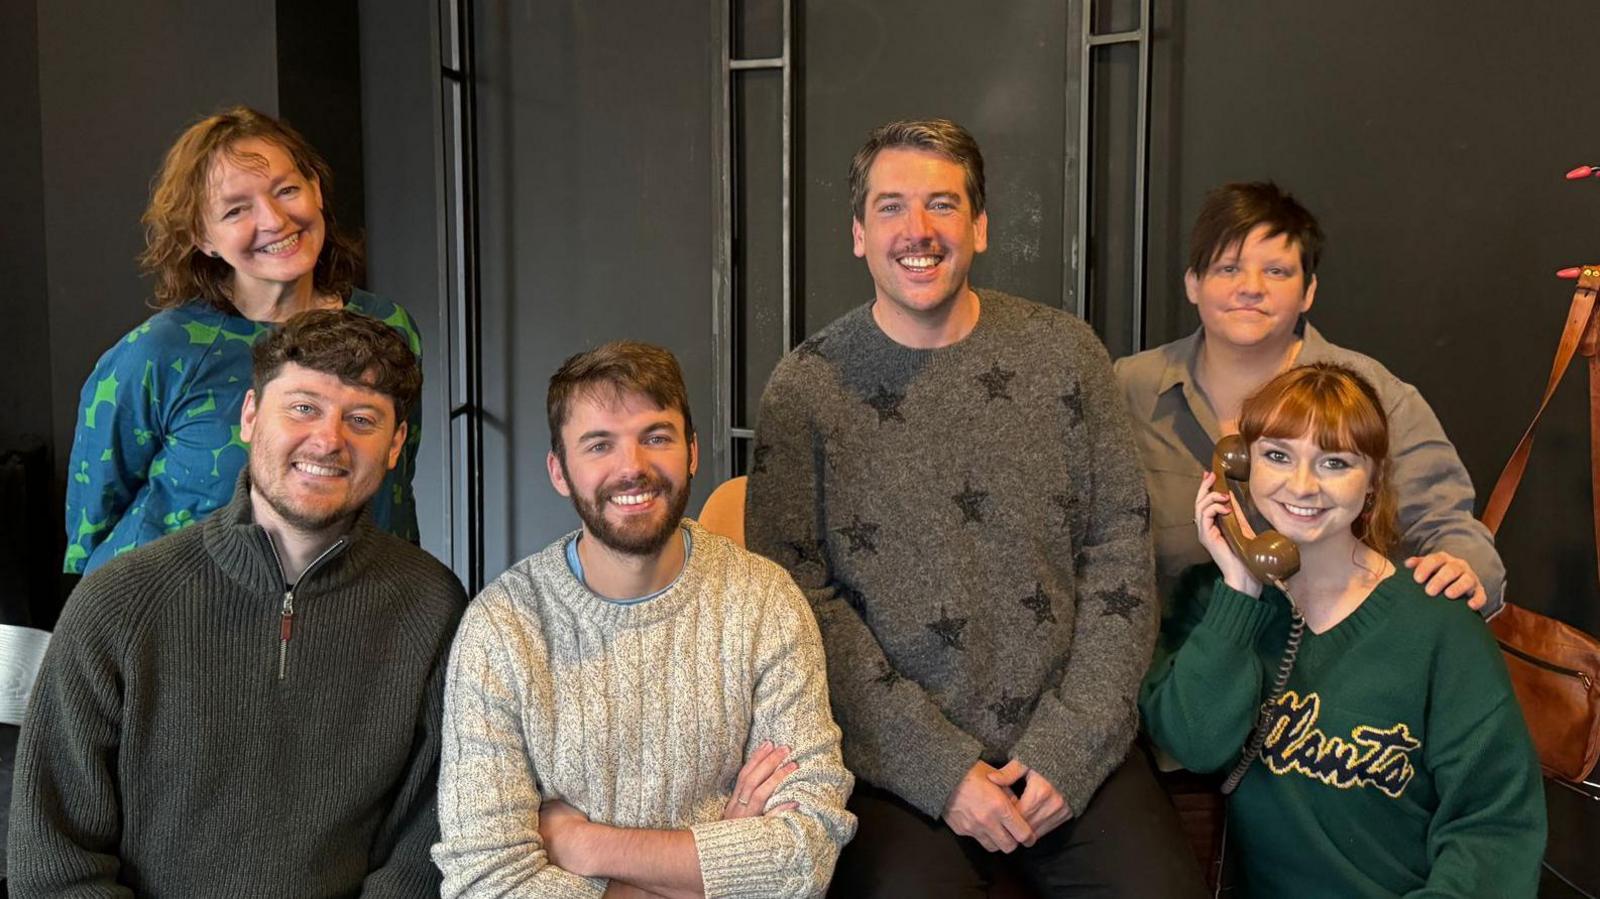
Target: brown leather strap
1582	332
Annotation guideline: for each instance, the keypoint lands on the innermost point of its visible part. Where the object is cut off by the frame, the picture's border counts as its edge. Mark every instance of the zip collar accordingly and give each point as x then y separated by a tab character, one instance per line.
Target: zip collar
245	553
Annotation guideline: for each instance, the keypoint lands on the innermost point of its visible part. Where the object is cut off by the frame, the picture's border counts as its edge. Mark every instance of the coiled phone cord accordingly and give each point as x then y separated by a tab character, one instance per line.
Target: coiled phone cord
1280	681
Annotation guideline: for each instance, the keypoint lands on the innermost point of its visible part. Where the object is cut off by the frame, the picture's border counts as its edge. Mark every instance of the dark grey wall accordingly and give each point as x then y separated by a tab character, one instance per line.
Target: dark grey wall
117	82
870	63
25	341
596	193
400	108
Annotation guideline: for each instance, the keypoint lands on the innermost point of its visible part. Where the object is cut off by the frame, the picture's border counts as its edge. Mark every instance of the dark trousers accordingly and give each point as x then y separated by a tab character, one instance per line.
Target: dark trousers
1128	842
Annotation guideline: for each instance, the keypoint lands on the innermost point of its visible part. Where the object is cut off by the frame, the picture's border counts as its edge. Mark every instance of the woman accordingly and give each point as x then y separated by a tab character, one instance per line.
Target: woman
1396	758
238	238
1252	276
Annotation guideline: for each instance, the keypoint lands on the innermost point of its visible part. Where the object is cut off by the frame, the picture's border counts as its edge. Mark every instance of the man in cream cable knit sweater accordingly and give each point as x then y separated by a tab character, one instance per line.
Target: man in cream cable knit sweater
640	708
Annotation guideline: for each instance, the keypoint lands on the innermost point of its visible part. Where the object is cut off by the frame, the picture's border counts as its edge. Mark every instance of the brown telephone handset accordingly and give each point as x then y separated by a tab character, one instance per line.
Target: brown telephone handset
1272	558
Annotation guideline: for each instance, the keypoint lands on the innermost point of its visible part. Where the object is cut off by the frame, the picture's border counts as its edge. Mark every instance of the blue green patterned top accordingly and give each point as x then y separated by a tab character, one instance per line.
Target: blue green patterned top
157	444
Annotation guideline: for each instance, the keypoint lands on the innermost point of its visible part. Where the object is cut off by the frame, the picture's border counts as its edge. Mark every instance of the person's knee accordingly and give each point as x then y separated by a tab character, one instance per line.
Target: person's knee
899	852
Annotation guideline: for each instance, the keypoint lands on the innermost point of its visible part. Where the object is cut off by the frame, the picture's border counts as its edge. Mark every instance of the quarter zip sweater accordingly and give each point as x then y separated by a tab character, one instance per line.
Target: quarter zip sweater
162	755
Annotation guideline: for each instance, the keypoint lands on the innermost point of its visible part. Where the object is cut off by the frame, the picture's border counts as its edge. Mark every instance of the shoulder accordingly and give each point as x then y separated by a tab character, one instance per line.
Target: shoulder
817	363
1391	390
743	577
1458	639
754	590
1140	374
1023	319
525	593
390	313
129	587
428	584
183	330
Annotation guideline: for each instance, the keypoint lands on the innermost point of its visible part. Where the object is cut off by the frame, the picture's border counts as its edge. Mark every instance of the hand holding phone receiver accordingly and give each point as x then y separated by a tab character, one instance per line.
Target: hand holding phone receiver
1271	557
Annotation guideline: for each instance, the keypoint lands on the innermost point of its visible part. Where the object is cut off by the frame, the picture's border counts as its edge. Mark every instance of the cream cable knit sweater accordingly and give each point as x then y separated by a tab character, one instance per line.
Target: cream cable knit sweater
638	716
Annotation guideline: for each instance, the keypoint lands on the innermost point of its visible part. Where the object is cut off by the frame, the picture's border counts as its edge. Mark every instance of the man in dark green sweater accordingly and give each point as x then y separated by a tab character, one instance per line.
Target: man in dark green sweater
950	476
250	706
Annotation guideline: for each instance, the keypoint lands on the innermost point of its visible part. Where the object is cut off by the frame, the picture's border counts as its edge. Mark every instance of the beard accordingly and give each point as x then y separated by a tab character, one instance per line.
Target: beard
636	538
302	519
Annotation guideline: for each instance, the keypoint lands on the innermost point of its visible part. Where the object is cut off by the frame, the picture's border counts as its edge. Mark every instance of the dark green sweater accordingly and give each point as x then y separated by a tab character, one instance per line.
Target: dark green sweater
1397	763
163	756
970	526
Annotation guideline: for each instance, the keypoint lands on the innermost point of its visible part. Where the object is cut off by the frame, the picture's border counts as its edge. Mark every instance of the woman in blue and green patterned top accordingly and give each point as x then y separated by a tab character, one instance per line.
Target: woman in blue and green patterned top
238	239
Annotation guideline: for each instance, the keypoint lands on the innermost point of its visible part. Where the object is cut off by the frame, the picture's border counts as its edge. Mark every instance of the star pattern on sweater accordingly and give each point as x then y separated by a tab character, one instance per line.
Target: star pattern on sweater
995	381
758	458
887	403
812	347
948	629
1008	710
1063	503
1038	602
861	534
1073	400
853	598
971	502
805	551
1142	511
1120	602
887	675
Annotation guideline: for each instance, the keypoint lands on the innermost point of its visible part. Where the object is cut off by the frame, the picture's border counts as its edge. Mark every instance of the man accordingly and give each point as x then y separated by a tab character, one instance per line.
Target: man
1252	275
251	706
948	474
641	708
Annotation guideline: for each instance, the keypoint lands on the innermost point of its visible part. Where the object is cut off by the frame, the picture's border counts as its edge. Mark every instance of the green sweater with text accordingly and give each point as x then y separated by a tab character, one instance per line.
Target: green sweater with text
1396	763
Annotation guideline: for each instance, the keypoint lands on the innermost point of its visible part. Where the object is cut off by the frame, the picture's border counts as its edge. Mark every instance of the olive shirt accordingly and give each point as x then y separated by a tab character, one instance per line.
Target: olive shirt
1175	429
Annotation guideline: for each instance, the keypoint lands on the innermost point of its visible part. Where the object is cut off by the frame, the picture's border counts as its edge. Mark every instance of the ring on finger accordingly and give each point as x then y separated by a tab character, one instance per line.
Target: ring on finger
744	800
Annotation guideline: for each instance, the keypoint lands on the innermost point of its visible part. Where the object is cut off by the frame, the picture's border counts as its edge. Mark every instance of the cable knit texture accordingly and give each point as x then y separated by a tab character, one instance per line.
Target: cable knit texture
639	716
970	525
163	756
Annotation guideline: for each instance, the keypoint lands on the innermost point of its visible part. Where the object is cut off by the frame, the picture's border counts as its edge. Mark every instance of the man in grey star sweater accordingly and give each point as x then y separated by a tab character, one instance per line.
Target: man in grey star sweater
641	707
950	476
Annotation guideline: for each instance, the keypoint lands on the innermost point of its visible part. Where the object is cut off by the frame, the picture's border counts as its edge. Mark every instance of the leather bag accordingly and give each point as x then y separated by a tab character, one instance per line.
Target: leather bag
1555	668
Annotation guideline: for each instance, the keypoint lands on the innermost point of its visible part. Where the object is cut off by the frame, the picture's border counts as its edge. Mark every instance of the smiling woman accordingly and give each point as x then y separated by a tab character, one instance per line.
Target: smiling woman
239	238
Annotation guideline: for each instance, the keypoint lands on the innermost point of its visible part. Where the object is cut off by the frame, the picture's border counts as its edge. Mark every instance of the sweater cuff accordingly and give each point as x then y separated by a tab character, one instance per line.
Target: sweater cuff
1237	618
929	773
736	861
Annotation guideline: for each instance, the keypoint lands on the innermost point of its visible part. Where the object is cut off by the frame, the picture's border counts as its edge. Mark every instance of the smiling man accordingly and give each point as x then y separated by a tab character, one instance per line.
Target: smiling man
948	474
641	708
251	706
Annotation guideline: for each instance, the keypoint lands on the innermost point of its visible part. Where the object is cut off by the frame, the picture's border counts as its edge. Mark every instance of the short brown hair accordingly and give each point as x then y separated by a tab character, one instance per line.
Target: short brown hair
617	368
174	221
1232	211
1341	411
940	136
356	349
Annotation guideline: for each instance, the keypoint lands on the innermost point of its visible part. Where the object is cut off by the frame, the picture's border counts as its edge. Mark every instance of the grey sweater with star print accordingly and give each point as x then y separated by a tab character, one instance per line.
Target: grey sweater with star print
971	528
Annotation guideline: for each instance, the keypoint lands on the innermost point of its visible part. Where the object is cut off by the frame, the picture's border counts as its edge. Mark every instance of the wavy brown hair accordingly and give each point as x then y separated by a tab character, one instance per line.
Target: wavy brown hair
352	347
1342	413
174	221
